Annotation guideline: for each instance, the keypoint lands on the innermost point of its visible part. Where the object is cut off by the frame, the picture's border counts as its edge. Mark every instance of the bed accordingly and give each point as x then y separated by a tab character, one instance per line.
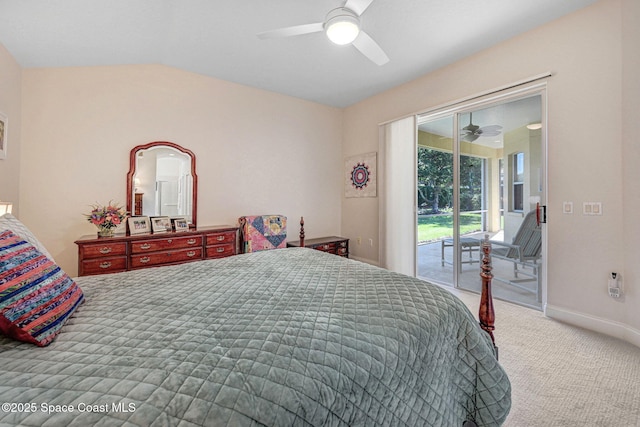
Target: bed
287	337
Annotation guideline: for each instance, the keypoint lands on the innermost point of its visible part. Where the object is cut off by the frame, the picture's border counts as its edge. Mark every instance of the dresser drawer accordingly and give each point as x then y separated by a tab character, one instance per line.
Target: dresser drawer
331	244
220	238
103	250
342	248
167	257
326	247
152	245
103	265
133	252
219	251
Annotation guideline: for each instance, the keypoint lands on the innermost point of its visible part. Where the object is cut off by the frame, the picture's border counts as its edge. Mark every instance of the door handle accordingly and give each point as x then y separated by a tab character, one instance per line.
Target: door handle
541	214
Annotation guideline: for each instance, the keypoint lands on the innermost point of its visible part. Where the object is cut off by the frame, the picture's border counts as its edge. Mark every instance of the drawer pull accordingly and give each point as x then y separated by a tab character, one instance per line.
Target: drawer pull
105	250
145	259
220	238
326	247
191	254
220	250
169	240
145	246
191	241
105	264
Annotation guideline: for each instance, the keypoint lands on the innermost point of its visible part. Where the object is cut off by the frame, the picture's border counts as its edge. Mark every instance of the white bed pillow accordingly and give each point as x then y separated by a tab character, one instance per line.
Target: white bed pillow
10	222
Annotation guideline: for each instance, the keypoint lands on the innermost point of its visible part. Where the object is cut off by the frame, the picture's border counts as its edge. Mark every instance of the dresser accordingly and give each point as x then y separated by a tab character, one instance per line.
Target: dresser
331	244
100	255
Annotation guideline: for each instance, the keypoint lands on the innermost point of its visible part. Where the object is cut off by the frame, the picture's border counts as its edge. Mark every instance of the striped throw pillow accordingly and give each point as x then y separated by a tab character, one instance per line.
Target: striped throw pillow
10	222
36	296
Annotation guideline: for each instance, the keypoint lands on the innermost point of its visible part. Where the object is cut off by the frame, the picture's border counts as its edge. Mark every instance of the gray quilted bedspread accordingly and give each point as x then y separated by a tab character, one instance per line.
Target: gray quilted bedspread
291	337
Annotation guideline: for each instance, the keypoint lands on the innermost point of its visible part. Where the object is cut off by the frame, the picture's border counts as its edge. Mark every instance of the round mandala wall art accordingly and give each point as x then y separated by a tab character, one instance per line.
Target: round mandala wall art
360	175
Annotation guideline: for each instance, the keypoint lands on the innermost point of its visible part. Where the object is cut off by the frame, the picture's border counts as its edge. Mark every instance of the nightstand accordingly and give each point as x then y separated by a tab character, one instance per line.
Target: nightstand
331	244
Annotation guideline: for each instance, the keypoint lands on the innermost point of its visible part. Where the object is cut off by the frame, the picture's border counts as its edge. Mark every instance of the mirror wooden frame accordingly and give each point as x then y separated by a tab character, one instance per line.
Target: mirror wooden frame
132	171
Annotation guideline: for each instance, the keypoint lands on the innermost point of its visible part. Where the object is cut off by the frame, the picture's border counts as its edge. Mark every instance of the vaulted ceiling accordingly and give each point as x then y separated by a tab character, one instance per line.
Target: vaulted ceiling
218	38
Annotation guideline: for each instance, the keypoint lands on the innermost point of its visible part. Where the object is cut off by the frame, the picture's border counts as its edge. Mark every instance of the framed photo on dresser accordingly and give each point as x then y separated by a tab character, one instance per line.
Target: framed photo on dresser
180	224
139	224
160	224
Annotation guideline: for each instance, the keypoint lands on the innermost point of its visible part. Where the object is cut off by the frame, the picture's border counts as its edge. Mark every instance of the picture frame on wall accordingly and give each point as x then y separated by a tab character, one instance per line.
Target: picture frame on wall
180	224
4	127
139	224
360	175
160	224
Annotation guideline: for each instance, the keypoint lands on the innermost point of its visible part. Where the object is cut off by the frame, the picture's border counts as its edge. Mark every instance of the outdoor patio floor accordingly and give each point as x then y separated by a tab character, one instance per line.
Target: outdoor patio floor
430	268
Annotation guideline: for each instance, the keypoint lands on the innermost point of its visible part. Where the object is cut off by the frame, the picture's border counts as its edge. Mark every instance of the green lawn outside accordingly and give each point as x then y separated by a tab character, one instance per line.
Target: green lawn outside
435	227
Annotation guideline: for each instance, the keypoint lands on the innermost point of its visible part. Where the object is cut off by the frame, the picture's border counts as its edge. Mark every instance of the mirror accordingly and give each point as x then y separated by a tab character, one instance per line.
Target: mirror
162	181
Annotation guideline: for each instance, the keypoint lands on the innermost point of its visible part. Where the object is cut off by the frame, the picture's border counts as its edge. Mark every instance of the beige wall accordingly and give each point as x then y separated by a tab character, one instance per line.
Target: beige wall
584	51
10	105
257	152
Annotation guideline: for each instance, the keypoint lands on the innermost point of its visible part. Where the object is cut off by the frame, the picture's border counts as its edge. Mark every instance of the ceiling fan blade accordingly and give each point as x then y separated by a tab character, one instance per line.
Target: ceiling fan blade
489	132
296	30
358	6
369	48
491	128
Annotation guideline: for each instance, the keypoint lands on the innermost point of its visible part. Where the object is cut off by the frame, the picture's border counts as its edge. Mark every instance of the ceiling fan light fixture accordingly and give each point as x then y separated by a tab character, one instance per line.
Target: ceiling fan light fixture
342	26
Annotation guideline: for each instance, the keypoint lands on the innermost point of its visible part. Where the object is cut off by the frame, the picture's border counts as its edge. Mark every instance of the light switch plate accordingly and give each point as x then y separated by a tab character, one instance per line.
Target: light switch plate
592	208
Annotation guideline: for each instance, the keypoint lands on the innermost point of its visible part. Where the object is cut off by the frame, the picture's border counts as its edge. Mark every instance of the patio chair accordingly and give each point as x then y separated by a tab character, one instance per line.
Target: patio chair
524	252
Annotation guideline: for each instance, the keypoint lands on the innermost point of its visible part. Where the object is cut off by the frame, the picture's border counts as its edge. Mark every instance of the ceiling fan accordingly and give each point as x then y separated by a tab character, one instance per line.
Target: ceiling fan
342	26
472	132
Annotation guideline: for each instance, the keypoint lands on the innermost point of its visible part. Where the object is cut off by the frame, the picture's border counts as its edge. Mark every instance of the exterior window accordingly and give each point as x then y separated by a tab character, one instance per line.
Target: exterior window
517	164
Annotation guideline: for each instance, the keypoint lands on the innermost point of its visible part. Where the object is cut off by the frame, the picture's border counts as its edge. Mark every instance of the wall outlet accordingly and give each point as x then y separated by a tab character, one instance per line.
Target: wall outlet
614	286
359	240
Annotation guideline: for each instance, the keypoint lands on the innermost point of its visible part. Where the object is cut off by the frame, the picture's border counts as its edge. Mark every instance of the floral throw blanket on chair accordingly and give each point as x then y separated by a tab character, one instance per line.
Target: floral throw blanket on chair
263	232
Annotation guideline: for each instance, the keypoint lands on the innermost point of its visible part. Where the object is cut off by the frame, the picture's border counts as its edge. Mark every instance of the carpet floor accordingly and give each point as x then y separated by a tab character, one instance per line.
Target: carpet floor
562	375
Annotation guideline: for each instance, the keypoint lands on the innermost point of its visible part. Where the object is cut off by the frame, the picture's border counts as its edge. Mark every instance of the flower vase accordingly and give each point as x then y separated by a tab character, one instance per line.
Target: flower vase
105	232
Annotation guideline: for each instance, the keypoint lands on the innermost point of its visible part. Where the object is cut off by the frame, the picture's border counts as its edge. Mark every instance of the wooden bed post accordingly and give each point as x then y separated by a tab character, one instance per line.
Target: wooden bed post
487	315
301	232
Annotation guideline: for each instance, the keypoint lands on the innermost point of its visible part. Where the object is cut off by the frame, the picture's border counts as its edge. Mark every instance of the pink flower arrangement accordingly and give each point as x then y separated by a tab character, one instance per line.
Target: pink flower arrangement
108	217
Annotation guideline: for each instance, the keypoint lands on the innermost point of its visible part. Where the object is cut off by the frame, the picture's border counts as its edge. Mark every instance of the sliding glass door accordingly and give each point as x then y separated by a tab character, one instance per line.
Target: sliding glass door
480	172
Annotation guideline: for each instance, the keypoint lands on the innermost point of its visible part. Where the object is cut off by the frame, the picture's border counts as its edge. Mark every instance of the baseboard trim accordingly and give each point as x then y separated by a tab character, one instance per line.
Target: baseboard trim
594	323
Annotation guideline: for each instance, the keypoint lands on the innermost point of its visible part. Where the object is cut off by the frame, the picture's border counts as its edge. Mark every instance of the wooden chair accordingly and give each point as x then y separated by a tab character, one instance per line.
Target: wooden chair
524	252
